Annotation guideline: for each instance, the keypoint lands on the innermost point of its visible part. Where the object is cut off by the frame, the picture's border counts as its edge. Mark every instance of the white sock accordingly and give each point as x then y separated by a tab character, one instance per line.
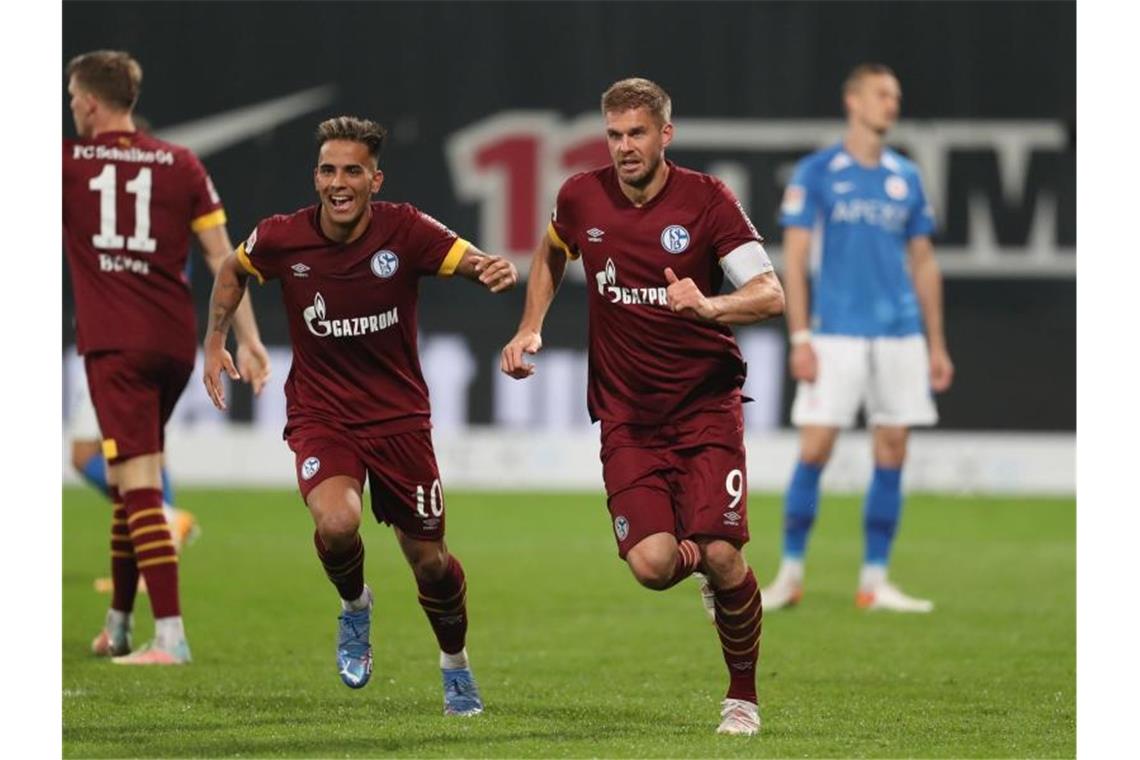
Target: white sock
117	619
872	576
358	604
792	568
168	631
453	661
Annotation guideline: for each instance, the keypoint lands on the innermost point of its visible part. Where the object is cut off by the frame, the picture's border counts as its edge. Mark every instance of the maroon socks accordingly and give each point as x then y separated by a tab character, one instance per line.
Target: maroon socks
345	568
153	551
739	614
124	570
445	604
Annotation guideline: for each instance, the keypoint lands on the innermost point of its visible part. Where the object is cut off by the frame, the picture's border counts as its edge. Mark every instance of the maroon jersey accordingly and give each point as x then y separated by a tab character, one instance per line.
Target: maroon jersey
130	202
649	365
351	309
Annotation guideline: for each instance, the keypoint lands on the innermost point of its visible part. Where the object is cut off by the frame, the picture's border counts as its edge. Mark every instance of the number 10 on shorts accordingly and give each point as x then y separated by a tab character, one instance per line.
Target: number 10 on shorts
435	500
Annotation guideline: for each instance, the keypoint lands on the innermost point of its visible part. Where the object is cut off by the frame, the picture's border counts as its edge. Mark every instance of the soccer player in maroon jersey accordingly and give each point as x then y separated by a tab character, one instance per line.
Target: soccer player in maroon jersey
130	203
356	401
657	242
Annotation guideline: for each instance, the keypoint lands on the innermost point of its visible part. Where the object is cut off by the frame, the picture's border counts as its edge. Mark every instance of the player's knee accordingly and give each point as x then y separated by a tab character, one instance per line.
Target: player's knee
815	452
78	460
816	445
338	527
723	562
890	449
651	571
81	453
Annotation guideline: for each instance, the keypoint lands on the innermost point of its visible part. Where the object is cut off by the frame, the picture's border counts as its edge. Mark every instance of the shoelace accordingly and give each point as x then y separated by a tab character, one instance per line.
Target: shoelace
737	711
460	686
353	620
353	642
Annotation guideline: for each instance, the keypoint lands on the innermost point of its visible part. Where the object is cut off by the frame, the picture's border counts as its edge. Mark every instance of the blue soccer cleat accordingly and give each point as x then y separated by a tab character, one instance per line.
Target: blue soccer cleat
353	652
460	694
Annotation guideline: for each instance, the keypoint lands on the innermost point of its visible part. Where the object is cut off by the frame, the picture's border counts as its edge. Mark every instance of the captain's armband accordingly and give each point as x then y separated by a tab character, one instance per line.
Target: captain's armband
745	262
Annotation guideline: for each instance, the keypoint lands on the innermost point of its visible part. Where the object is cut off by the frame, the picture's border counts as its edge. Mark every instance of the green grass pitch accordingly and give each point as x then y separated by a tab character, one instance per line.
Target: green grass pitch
573	658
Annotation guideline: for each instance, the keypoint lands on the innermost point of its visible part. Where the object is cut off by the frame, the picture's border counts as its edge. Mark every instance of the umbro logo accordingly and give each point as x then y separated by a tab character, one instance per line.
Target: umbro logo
594	235
300	270
843	187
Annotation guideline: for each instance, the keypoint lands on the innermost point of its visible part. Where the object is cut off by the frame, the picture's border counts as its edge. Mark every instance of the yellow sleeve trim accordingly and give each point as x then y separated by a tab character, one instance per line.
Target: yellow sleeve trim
453	257
110	449
558	241
209	221
243	259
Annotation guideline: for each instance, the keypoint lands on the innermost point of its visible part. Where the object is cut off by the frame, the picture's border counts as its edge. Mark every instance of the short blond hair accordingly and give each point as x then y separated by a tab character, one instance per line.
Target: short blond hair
863	70
636	92
112	76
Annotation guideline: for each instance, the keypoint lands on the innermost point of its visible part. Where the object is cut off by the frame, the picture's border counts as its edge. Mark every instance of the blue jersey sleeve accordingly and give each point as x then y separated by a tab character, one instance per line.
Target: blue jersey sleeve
921	220
800	204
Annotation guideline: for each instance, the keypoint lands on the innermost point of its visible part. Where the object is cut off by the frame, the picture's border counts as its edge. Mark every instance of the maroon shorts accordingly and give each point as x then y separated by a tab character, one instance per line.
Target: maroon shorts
401	469
686	478
134	393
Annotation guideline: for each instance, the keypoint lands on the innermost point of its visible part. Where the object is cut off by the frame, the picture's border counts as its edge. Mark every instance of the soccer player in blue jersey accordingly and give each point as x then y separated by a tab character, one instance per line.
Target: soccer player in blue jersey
875	334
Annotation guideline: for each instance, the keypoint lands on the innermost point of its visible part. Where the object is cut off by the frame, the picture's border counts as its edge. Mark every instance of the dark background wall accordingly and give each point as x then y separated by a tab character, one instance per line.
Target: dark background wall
431	70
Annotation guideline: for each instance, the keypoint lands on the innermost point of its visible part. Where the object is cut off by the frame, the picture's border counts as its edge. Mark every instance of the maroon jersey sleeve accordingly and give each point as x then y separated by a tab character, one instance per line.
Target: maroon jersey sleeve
728	223
563	218
437	249
205	205
256	254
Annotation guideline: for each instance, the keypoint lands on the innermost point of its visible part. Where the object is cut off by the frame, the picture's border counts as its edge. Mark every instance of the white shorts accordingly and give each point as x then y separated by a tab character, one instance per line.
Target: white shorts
82	423
891	376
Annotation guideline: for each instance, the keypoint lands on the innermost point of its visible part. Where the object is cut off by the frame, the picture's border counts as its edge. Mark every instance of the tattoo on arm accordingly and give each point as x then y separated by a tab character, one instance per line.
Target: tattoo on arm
229	287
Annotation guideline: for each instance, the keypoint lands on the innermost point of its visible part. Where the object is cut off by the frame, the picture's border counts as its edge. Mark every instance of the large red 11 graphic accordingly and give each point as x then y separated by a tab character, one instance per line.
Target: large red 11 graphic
512	165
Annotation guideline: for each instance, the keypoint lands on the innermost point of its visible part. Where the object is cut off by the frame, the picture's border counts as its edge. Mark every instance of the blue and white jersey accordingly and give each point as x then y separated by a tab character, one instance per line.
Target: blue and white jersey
862	219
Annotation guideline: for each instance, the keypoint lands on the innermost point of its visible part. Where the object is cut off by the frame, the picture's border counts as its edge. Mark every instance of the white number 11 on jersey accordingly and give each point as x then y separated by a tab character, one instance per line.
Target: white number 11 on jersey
108	238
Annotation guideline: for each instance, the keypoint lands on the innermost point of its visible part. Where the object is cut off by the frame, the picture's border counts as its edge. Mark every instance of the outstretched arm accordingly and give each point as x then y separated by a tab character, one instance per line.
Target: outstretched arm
229	288
494	272
546	270
928	288
253	359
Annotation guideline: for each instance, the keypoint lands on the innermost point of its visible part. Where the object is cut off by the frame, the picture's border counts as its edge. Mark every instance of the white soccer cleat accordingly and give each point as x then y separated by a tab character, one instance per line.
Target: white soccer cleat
887	596
739	718
786	591
153	654
708	596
